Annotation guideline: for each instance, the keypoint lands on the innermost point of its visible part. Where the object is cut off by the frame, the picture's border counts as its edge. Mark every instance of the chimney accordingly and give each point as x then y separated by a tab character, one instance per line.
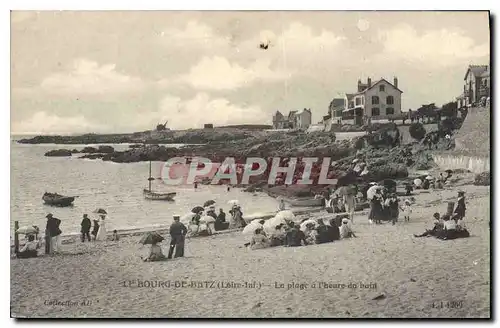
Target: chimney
369	82
396	82
359	85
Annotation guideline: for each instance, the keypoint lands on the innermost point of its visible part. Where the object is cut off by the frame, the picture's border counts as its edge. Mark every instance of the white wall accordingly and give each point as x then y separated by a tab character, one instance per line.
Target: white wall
389	91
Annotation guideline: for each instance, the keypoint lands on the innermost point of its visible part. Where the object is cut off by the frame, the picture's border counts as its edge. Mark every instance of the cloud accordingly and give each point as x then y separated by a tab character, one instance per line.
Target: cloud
217	73
193	34
88	77
44	123
442	47
201	109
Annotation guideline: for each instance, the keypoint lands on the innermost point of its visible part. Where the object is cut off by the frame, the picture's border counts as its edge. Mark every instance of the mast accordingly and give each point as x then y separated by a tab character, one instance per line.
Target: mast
149	180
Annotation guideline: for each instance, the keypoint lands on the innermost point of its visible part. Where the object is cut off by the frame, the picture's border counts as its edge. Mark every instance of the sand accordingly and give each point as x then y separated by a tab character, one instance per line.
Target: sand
414	274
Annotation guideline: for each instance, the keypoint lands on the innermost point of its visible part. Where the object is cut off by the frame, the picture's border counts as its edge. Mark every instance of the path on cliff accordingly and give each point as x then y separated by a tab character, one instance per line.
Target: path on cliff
473	138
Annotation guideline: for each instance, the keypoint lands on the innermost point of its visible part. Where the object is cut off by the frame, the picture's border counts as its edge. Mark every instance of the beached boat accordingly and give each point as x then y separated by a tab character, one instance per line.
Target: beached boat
153	195
304	202
54	199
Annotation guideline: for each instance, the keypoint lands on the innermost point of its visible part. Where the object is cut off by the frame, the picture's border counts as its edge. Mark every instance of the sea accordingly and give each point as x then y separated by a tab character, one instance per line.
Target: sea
117	188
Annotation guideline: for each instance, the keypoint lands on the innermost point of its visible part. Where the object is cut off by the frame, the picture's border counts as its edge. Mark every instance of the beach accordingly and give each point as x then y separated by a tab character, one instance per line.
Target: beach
219	277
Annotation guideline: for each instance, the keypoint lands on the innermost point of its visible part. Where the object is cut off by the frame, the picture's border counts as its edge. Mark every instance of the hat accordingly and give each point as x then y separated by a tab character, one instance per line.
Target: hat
373	183
345	221
461	192
177	217
49	215
407	201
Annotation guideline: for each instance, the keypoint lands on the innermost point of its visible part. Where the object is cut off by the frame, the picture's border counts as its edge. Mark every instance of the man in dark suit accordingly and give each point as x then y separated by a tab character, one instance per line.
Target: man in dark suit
460	209
177	236
86	225
53	231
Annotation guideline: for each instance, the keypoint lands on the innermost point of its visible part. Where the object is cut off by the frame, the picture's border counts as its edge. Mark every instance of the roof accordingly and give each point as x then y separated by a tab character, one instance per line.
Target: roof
486	73
477	70
337	102
374	84
349	96
302	111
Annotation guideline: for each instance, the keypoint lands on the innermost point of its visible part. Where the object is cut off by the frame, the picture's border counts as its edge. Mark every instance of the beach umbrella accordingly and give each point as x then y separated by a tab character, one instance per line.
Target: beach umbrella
286	215
100	211
27	230
208	203
304	224
207	219
371	191
233	202
150	238
250	228
417	182
186	219
197	209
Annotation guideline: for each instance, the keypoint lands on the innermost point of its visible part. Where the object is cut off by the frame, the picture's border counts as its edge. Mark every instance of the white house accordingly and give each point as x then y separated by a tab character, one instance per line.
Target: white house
300	119
380	100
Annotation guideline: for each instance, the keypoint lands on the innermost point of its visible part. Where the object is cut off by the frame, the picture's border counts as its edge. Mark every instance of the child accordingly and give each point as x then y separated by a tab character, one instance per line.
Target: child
406	210
115	237
345	230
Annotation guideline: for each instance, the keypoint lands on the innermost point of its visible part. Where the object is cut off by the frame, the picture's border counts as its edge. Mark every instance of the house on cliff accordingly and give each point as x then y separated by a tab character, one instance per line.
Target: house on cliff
476	85
296	119
377	101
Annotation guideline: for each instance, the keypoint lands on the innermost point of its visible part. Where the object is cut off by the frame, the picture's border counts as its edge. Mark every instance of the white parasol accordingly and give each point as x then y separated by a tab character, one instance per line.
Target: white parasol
250	228
304	224
207	219
286	215
429	177
186	219
27	230
372	190
417	182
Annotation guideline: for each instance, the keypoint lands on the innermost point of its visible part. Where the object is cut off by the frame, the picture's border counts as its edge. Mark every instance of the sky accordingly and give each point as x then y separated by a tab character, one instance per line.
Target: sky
125	71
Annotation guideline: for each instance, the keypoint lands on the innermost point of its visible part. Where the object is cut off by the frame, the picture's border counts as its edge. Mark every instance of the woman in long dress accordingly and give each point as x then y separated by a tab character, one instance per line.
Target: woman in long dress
101	234
237	218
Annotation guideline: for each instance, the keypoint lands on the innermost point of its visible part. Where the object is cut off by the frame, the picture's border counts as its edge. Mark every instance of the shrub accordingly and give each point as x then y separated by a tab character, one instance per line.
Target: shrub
417	131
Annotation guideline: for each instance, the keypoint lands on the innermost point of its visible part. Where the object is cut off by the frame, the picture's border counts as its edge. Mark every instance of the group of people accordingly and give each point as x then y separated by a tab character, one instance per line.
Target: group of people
177	233
450	225
99	229
197	227
291	234
387	207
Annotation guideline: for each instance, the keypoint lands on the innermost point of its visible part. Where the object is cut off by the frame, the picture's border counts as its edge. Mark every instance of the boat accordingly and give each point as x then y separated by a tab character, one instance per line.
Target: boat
153	195
305	202
54	199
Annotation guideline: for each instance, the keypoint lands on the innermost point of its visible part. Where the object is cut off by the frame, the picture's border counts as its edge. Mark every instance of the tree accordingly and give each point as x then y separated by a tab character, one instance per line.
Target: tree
417	131
450	109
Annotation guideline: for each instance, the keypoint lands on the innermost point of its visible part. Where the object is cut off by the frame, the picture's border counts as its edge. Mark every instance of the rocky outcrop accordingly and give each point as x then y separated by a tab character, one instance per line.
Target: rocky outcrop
482	179
58	153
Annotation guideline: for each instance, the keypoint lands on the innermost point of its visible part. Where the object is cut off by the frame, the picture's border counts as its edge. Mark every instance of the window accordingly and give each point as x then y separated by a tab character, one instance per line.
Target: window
358	101
375	100
389	111
381	88
390	100
375	111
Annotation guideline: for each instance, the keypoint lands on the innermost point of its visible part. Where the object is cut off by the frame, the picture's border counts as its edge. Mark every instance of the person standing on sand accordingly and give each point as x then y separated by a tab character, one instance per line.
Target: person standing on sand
54	232
237	220
282	206
86	225
195	185
96	229
350	205
460	209
178	233
101	234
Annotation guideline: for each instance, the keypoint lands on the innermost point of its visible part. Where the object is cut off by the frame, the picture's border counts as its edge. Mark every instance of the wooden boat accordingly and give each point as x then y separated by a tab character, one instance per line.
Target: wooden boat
152	195
54	199
305	202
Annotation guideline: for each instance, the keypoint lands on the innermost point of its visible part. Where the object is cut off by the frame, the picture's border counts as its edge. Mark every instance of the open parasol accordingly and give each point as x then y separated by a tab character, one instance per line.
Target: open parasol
207	219
100	211
417	182
208	203
304	224
151	238
250	228
372	190
197	209
285	215
27	230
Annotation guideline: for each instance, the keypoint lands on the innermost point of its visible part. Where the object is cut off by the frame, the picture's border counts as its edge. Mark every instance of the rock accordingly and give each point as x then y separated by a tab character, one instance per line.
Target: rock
424	161
379	297
89	150
105	149
482	179
58	153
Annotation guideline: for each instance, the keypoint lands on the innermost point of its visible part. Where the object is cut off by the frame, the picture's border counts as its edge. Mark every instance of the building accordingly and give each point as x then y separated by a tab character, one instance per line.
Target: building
300	119
476	85
376	101
337	106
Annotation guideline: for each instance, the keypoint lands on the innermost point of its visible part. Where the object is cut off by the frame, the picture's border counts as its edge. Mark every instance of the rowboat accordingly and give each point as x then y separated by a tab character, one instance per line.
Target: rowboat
305	202
153	195
54	199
